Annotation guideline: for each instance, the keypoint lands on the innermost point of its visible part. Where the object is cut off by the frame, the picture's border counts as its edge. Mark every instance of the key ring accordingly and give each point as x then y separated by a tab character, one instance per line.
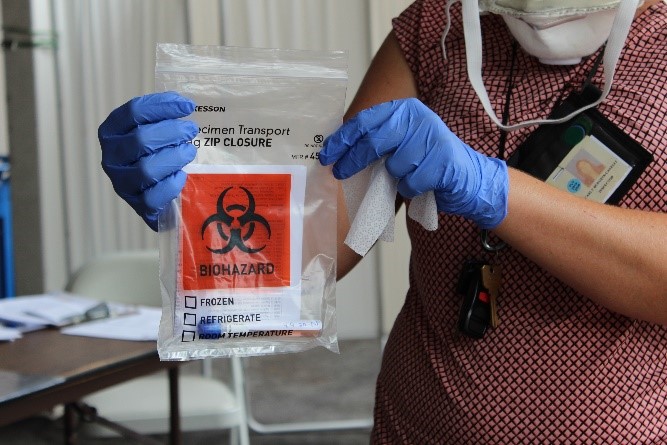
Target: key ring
501	145
488	246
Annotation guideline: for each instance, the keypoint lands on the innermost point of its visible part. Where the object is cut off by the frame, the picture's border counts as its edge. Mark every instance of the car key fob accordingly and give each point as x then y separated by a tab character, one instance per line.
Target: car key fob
475	312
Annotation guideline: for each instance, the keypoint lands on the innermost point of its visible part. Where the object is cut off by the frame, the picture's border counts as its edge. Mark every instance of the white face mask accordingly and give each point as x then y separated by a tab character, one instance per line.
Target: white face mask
546	12
555	31
565	41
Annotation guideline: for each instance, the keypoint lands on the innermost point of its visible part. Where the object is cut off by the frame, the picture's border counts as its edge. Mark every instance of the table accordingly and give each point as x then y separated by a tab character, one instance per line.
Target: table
46	368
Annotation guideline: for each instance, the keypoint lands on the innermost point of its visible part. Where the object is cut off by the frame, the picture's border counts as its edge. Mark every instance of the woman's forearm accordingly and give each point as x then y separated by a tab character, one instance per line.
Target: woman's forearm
615	256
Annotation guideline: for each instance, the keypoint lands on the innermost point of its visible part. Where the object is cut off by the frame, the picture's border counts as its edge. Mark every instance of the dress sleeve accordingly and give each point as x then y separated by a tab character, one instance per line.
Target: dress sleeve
418	30
406	29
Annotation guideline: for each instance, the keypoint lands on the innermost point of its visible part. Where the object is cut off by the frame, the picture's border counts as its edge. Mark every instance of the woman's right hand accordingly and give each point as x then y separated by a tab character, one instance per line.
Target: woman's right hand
145	145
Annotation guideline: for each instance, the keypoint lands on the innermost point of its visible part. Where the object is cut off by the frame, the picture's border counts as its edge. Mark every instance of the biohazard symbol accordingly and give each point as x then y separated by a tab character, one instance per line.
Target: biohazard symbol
240	228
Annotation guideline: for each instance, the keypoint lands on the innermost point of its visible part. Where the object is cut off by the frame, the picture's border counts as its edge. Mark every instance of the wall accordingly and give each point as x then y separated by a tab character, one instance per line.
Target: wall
32	240
4	138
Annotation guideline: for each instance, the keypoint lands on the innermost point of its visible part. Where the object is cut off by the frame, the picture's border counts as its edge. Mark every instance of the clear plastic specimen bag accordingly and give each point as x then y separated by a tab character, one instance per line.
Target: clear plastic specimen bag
248	250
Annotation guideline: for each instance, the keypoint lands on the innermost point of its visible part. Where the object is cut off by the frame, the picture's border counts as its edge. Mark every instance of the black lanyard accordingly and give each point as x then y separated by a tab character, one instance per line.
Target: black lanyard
501	143
505	119
508	99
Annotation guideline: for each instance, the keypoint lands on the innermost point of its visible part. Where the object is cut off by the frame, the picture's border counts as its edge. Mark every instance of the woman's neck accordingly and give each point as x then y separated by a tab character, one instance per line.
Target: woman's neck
647	4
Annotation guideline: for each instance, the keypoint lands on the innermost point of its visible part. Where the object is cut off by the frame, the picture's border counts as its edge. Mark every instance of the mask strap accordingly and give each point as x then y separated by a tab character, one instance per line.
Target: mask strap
447	26
473	41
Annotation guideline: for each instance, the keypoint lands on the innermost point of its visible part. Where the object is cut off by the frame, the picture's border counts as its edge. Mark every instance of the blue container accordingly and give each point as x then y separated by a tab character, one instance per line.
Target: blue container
6	237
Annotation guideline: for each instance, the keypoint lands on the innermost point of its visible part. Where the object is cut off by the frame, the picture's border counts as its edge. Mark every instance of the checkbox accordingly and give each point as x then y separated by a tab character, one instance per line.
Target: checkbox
188	336
190	319
191	302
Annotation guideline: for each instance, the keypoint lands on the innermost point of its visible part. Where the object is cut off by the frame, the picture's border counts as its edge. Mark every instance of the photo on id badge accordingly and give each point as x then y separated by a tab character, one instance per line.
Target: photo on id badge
590	170
587	155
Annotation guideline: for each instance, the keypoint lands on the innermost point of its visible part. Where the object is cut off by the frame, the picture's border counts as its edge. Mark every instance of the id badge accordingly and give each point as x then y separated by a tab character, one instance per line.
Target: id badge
587	156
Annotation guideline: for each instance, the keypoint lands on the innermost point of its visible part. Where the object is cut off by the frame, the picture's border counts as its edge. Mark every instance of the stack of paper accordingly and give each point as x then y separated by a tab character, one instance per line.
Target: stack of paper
31	312
142	325
9	333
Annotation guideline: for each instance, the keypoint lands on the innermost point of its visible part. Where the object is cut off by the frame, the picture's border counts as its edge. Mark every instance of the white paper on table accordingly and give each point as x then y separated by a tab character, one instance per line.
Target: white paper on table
139	326
9	334
44	309
60	308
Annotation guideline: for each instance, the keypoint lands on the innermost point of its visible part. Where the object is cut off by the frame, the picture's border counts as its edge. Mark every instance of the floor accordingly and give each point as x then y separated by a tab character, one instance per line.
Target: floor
315	385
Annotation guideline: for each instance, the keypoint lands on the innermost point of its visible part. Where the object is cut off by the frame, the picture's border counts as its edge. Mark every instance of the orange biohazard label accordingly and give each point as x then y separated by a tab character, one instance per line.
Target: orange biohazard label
235	231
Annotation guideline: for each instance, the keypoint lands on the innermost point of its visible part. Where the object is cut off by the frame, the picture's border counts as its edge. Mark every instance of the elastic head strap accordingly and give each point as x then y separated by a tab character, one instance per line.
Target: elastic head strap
473	41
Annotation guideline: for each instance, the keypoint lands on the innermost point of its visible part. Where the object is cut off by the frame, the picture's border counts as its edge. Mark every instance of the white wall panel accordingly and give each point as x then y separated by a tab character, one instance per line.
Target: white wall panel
49	161
204	21
106	56
380	16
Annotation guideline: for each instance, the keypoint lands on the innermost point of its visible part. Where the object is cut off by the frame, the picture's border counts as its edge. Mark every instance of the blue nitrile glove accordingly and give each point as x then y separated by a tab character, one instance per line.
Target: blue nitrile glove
144	148
424	155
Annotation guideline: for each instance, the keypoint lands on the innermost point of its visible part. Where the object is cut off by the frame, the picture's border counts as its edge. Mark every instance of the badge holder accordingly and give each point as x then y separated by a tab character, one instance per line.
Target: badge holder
587	156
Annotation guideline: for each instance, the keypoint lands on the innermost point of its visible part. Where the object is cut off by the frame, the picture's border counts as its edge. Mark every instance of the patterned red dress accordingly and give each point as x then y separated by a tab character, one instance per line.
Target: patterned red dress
559	368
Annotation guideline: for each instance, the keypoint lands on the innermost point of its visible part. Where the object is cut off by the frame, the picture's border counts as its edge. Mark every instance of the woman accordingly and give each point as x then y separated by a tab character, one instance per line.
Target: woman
579	354
580	351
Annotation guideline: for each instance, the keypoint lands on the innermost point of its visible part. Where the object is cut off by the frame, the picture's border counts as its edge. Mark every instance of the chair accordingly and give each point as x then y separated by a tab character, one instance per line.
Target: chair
142	404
